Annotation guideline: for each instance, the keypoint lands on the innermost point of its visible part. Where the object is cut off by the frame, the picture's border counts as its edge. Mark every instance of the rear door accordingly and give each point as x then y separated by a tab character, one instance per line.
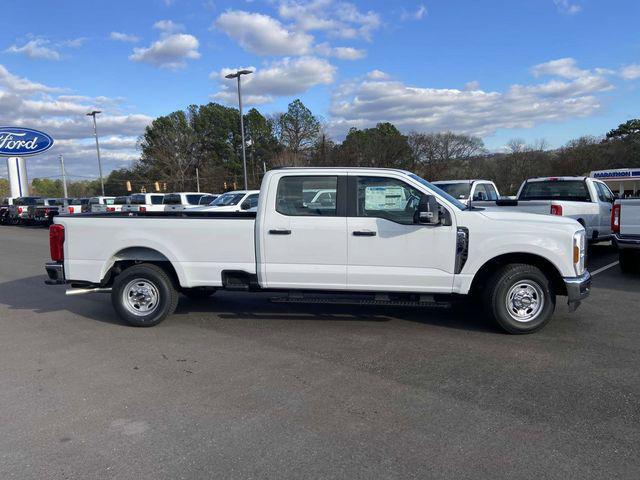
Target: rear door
305	246
387	249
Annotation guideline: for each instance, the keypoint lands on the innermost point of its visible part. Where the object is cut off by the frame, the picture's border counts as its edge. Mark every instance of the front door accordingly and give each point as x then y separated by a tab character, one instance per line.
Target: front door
305	238
387	249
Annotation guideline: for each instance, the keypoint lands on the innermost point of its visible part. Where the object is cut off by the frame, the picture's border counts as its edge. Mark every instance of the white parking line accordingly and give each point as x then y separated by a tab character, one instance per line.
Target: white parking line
606	267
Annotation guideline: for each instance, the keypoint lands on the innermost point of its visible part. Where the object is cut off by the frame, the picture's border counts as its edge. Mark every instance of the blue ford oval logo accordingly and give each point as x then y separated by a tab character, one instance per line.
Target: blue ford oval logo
22	142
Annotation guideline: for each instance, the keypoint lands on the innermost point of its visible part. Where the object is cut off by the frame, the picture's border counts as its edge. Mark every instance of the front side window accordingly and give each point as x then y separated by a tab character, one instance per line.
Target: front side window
294	192
193	199
250	202
387	198
604	194
457	190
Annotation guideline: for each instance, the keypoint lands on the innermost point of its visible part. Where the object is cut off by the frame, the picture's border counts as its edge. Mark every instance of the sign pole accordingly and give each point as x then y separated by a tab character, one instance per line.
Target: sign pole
64	177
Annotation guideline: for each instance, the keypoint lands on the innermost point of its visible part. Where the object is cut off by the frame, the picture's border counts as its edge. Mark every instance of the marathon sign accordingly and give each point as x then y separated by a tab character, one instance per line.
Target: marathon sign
23	142
626	174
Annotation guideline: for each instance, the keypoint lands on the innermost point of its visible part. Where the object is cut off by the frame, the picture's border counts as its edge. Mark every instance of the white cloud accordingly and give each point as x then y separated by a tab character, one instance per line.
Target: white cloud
123	37
567	7
630	72
562	67
377	98
36	49
343	53
262	34
417	14
171	51
286	77
75	42
168	26
62	115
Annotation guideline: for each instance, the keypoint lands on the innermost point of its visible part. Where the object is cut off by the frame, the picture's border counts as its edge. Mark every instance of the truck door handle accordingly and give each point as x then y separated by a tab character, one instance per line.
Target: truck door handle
280	231
364	233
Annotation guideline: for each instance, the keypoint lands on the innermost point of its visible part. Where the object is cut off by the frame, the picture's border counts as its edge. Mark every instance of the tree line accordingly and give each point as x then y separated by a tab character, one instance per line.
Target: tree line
206	139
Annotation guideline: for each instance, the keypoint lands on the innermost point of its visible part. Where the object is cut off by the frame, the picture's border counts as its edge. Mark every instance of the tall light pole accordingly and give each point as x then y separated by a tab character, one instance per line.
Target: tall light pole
237	75
95	134
64	177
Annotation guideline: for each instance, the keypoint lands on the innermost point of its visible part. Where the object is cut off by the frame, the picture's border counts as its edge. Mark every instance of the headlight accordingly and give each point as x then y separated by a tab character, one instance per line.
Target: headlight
579	249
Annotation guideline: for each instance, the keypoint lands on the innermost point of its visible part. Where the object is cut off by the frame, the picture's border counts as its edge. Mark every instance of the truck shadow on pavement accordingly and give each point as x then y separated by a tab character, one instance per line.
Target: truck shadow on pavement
31	294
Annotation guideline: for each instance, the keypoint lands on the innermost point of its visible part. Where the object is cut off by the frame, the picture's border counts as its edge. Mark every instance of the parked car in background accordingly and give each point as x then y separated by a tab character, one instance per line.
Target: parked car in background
391	238
74	206
584	199
118	203
470	190
44	210
145	202
100	204
625	225
19	212
178	201
207	199
236	201
5	203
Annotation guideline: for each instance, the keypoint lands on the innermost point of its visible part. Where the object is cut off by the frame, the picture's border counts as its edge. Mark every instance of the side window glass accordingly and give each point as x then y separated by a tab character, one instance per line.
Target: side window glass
298	196
602	196
387	198
491	192
480	193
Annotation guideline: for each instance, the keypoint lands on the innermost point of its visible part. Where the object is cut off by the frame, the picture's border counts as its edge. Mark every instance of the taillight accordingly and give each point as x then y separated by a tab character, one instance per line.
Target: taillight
615	218
556	210
71	209
56	242
46	212
111	209
19	210
143	209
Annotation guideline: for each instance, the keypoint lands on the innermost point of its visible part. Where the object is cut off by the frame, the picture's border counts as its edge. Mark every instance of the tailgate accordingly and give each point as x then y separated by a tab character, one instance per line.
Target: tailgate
630	217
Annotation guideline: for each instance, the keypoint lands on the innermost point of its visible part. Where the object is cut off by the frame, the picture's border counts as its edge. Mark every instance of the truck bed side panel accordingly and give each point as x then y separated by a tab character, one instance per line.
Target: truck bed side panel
198	248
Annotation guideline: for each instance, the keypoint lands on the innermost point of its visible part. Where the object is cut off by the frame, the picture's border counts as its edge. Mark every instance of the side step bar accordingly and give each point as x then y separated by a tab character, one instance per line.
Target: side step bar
377	300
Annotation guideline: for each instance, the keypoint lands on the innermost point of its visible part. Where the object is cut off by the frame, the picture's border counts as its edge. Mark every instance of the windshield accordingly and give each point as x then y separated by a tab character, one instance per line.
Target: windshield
439	191
456	190
573	190
227	199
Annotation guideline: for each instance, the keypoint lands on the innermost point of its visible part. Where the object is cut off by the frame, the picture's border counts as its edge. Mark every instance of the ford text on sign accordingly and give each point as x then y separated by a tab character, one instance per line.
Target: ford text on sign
22	142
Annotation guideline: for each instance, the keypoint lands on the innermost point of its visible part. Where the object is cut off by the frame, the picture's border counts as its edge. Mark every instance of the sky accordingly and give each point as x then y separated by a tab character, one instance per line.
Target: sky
530	69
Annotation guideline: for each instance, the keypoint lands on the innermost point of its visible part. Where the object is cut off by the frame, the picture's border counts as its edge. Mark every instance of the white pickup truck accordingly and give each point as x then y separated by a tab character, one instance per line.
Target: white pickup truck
625	224
470	191
390	238
584	199
145	202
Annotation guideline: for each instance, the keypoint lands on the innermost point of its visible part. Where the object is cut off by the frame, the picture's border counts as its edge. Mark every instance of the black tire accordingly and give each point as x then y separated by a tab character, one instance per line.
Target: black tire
199	293
629	261
535	288
149	287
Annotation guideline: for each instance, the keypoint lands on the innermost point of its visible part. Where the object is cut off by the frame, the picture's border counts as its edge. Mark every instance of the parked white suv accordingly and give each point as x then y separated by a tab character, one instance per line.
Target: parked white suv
390	238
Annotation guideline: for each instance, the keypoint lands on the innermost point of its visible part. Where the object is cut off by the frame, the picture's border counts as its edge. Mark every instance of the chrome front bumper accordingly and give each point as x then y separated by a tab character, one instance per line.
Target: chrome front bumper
578	288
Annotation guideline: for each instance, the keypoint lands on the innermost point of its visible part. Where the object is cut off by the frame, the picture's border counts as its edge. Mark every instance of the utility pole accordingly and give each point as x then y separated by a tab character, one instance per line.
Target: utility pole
198	179
237	75
95	134
64	177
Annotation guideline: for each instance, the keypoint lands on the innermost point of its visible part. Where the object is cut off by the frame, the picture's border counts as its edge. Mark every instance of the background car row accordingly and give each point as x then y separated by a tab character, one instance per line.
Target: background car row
40	211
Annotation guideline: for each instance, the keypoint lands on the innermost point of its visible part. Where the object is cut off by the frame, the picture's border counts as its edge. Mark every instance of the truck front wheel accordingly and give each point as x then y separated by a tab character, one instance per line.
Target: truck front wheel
144	295
519	298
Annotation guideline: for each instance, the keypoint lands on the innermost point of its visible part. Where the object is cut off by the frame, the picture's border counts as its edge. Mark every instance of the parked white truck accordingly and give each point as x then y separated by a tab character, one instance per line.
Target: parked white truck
469	191
586	200
625	224
390	238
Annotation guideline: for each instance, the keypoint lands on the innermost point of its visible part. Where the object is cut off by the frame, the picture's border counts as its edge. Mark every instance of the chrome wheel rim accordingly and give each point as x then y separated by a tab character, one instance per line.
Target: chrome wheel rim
140	297
525	301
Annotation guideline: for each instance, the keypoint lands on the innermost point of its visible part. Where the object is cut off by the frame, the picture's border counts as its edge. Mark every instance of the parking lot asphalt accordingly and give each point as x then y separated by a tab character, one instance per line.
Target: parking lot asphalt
239	387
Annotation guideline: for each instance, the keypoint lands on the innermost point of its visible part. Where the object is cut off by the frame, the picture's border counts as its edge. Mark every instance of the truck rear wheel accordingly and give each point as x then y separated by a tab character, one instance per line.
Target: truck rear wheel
629	261
518	297
144	295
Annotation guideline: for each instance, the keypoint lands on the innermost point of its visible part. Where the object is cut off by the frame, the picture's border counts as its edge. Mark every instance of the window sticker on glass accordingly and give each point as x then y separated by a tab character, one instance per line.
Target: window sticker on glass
384	198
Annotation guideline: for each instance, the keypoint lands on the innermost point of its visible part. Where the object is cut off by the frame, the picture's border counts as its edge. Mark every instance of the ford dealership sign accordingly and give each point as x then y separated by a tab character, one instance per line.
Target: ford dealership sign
22	142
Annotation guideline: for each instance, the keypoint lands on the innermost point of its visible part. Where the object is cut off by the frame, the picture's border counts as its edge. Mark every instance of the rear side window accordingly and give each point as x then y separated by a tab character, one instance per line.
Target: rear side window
572	190
137	200
156	199
193	199
172	199
485	191
292	197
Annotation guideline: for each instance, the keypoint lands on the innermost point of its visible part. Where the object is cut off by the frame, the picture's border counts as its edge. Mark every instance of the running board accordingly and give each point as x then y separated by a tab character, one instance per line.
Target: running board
378	300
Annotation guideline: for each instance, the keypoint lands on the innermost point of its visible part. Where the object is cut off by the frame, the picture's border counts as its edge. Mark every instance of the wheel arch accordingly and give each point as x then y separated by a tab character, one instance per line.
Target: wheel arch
129	256
492	265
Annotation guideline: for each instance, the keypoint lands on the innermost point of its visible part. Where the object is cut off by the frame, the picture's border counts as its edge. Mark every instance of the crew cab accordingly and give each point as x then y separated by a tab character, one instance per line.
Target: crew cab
100	204
390	238
145	202
178	201
625	224
470	190
586	200
236	201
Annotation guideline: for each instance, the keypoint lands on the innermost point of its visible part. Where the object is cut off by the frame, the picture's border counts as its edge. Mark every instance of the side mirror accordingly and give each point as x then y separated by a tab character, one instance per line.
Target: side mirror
428	212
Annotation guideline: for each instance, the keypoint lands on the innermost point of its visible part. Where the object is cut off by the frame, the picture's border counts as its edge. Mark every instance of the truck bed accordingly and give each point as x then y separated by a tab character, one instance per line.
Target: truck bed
200	245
